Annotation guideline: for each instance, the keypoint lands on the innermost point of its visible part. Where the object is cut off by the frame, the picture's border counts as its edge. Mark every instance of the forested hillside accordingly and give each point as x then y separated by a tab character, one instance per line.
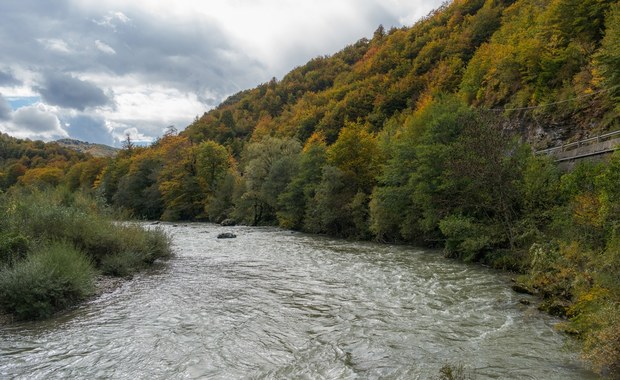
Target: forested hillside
557	59
537	71
423	134
35	163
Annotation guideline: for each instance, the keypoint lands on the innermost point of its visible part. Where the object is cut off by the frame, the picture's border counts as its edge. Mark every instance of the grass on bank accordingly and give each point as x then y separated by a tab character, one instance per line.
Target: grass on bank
51	278
54	243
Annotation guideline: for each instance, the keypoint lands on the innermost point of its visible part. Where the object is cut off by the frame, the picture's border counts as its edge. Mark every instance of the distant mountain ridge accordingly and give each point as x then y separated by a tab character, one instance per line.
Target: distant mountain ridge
96	150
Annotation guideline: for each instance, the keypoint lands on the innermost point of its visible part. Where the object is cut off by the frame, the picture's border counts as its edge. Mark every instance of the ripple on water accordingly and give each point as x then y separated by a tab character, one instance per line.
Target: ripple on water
275	304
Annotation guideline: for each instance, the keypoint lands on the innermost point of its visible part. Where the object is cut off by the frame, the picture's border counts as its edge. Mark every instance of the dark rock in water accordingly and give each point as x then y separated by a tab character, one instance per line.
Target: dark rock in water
522	289
226	235
523	301
228	222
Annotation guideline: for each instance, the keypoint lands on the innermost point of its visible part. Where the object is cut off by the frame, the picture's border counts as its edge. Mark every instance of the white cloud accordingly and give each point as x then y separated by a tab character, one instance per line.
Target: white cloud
408	12
35	122
151	109
135	136
104	48
54	44
112	19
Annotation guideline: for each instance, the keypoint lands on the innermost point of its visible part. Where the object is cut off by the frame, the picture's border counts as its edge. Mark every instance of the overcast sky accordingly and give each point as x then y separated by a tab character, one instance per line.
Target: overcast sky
95	70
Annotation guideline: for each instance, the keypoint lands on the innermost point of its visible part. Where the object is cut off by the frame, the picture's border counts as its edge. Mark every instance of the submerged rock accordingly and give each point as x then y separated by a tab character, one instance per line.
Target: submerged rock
226	235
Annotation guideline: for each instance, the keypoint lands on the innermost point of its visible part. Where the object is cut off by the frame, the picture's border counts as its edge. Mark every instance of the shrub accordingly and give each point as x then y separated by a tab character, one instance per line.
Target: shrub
73	235
465	238
137	249
52	216
121	264
52	278
150	245
13	247
602	345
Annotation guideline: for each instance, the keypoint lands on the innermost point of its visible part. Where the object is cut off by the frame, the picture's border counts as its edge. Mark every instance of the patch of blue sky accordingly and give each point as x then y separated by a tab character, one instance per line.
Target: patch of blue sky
22	101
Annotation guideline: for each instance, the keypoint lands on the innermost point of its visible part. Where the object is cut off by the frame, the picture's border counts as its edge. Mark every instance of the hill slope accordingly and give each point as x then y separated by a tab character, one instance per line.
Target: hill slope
95	150
550	66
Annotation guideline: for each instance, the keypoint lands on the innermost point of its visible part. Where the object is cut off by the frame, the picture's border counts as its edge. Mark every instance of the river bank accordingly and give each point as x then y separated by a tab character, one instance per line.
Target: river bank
55	245
102	285
276	304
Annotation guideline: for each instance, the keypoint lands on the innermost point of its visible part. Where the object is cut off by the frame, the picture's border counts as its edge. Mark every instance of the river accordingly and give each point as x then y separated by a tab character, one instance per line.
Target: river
273	304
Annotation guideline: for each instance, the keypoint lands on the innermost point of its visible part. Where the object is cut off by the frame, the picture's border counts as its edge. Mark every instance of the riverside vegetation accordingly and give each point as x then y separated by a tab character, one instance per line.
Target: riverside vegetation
54	243
419	135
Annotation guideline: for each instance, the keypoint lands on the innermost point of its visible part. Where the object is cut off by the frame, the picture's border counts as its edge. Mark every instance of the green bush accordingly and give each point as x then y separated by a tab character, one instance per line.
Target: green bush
13	247
138	249
121	264
52	278
75	236
148	244
52	216
465	238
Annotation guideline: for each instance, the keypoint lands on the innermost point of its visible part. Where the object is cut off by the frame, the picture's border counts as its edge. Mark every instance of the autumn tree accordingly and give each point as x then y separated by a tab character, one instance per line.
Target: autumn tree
178	180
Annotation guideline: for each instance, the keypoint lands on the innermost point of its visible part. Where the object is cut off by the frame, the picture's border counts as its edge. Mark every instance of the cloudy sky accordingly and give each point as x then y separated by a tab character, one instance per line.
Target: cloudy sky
95	70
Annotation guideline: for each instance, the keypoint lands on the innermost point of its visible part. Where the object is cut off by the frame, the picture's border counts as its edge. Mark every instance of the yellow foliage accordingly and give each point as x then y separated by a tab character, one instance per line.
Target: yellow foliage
602	347
263	128
50	176
356	152
586	210
317	138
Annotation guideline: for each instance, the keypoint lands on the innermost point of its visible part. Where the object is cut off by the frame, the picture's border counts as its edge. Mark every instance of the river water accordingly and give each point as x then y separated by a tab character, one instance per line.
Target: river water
273	304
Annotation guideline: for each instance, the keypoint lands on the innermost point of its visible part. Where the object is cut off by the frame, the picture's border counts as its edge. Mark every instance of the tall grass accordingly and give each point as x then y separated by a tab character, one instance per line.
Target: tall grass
45	216
53	243
51	278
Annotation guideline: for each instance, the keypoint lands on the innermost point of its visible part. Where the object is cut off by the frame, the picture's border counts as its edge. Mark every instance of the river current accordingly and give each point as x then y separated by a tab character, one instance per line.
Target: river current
273	304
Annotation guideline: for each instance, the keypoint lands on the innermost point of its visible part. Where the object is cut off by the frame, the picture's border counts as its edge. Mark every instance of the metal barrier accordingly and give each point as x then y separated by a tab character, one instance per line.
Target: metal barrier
578	144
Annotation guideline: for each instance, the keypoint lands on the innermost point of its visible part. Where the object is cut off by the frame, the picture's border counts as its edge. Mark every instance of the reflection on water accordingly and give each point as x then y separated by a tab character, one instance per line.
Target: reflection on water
276	304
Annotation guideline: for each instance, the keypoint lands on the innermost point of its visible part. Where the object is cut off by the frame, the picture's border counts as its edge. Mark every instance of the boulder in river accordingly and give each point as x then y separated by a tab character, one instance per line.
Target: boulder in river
226	235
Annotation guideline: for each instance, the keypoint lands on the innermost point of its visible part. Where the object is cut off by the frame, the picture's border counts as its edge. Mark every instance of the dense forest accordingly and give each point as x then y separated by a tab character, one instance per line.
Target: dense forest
420	135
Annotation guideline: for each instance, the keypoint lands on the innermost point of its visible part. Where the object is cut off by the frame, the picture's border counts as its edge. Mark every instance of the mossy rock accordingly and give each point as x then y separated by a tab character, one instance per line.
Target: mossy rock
555	307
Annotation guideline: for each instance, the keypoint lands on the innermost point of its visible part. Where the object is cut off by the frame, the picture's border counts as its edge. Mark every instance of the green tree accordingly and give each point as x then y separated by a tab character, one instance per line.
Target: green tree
269	166
328	212
607	59
302	188
138	190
